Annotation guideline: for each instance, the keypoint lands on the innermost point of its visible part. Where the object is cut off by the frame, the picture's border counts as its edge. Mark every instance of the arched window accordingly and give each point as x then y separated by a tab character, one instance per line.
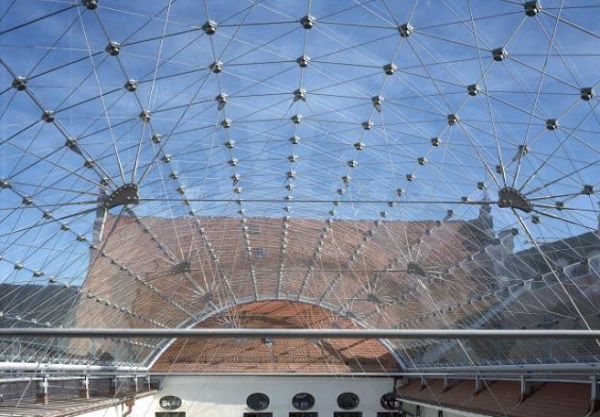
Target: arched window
303	401
348	401
258	401
170	402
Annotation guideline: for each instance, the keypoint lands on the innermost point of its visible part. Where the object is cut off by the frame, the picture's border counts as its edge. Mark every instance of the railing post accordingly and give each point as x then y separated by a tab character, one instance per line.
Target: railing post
42	395
84	389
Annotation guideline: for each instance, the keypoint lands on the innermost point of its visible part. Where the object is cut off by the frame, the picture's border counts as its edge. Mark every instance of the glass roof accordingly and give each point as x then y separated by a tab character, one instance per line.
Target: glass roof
417	164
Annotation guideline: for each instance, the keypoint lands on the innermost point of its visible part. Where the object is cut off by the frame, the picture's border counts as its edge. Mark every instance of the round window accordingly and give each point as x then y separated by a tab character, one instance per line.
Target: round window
258	401
389	401
170	402
303	401
347	401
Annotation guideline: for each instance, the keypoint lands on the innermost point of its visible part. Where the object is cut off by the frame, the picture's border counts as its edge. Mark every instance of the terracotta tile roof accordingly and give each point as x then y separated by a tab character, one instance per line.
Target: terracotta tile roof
156	272
284	355
502	398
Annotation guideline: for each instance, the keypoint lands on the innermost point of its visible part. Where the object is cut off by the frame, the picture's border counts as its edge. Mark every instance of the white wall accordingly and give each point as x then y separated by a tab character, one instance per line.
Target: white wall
225	396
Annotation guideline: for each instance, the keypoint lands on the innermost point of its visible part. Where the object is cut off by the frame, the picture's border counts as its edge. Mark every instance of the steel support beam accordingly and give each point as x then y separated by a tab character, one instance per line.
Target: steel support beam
302	333
52	367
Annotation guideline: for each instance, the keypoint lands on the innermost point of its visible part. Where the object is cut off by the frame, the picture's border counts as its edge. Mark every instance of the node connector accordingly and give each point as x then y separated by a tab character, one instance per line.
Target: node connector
359	146
297	119
452	119
422	160
210	27
230	144
20	83
587	93
352	164
226	123
378	103
48	116
113	48
216	67
513	198
532	8
300	94
390	68
222	100
295	140
308	22
416	269
145	115
405	30
588	189
131	85
552	124
436	142
303	61
368	125
410	177
499	54
182	267
473	89
90	4
125	194
156	138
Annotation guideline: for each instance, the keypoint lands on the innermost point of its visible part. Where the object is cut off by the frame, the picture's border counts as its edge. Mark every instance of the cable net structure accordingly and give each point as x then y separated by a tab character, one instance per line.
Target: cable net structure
357	164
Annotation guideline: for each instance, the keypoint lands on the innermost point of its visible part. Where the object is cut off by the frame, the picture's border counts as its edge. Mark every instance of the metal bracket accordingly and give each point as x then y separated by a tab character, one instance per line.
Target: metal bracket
125	194
511	197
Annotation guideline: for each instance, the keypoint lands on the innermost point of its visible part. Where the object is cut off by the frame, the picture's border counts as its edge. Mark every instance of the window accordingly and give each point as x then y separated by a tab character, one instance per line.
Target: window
170	414
347	414
303	401
258	401
347	401
170	402
259	252
258	414
304	415
389	401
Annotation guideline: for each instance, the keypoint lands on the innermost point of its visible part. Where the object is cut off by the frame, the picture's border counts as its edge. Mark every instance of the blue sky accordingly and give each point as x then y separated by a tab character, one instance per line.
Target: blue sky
549	58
